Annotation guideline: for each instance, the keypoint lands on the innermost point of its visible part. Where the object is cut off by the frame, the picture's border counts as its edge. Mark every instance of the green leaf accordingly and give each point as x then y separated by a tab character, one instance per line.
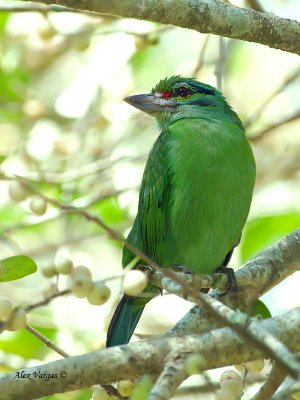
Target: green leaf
16	267
142	389
260	310
26	345
4	17
262	232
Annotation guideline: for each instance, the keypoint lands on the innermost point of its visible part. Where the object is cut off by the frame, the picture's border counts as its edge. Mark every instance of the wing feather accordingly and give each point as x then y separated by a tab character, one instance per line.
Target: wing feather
151	224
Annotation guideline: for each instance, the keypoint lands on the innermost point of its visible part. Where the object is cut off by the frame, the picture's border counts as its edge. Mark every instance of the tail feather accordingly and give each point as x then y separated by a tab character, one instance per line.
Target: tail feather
124	320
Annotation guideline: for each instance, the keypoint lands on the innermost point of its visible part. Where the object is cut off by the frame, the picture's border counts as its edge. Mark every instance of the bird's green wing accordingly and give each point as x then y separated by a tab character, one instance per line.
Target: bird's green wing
151	224
148	234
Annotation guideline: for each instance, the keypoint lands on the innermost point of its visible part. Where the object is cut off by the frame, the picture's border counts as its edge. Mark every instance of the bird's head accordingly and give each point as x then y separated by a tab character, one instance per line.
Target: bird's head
177	97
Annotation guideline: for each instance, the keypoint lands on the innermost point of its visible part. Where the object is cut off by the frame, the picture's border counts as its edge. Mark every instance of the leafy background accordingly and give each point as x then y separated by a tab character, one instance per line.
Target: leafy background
64	126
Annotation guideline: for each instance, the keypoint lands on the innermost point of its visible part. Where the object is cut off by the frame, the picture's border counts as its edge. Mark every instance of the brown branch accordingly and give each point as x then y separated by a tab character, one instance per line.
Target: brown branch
201	59
47	301
206	16
242	324
265	342
287	362
262	273
219	347
272	383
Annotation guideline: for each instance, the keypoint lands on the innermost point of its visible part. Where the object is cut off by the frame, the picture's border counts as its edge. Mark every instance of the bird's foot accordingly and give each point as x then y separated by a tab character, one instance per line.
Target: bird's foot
232	285
148	269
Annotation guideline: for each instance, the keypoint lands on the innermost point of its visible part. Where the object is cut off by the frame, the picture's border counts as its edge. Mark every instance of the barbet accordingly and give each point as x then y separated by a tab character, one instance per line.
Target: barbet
196	189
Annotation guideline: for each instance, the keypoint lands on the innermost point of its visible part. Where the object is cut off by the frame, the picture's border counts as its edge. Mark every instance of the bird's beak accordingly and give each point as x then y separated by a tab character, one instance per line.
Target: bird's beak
150	103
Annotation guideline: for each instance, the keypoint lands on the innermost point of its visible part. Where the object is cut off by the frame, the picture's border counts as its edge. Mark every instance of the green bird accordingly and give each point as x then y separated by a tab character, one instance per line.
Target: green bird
196	189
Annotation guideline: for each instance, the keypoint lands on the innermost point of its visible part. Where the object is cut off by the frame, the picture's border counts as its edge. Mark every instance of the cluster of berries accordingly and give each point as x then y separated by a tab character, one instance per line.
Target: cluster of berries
231	382
18	192
13	318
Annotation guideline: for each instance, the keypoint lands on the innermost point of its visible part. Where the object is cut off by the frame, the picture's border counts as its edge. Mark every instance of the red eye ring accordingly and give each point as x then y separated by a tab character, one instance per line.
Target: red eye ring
166	95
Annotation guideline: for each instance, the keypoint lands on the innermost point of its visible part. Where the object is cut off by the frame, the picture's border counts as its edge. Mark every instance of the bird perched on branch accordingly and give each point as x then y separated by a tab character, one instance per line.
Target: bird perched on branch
196	189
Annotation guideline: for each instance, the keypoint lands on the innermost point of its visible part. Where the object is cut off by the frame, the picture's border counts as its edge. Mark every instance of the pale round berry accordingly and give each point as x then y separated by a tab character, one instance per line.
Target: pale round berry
231	381
48	270
38	205
64	266
46	32
226	394
134	282
194	364
81	270
17	321
99	294
17	191
6	309
81	44
125	388
81	285
101	394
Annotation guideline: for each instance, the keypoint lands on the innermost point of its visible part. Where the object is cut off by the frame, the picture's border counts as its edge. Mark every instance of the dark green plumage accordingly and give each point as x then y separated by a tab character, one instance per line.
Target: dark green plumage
196	189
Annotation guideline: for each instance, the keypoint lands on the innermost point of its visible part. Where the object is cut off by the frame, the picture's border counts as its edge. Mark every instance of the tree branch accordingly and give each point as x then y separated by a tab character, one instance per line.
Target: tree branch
206	16
219	347
258	276
272	383
243	324
173	374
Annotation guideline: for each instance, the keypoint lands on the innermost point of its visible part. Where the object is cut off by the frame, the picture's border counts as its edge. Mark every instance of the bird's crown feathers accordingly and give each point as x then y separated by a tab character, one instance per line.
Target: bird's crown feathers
168	84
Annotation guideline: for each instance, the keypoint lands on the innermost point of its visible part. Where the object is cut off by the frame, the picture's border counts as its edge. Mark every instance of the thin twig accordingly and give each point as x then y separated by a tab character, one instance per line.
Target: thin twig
276	125
256	114
47	300
20	6
219	69
201	59
113	392
47	341
74	174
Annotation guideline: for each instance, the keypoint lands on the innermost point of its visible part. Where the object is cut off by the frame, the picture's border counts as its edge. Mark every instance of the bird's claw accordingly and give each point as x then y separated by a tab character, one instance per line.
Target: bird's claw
232	285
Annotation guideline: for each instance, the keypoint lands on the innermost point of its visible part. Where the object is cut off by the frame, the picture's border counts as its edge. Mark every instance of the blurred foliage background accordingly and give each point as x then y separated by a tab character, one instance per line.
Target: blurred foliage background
64	126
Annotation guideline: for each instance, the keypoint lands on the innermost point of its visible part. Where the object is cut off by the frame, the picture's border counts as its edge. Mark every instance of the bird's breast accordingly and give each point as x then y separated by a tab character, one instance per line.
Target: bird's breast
211	189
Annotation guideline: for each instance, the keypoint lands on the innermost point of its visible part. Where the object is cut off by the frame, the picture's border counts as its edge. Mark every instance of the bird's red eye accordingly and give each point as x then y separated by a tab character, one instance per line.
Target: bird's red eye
166	95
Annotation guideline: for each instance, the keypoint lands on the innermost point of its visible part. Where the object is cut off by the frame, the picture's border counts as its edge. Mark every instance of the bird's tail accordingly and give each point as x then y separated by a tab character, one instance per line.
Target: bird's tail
125	319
